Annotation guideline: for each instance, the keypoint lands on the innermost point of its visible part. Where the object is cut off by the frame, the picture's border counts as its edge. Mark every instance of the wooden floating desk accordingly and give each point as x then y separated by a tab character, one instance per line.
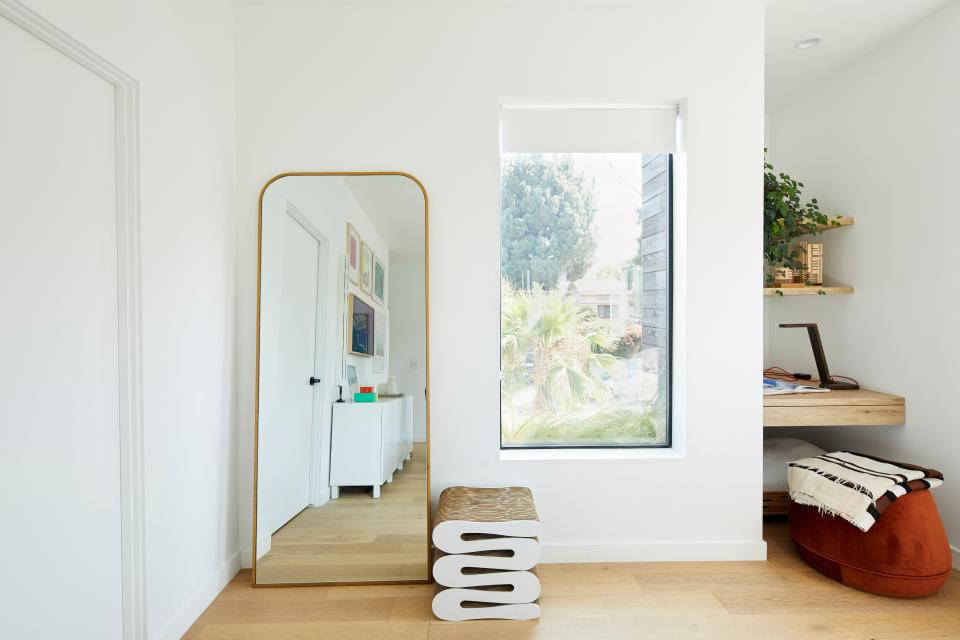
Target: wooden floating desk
834	409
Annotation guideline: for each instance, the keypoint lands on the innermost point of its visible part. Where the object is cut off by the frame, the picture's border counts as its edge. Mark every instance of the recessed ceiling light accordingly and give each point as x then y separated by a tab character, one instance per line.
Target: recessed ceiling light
809	43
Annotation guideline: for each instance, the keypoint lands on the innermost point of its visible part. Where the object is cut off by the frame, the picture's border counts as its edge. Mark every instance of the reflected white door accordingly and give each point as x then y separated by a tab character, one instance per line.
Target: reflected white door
59	389
286	422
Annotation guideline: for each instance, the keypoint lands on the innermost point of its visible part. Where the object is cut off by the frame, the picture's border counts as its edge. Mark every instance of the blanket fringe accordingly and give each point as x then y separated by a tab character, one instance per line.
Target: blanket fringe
810	501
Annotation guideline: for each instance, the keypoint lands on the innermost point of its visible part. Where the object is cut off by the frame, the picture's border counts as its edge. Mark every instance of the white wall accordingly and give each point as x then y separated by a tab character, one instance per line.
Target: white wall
417	88
181	52
407	342
878	141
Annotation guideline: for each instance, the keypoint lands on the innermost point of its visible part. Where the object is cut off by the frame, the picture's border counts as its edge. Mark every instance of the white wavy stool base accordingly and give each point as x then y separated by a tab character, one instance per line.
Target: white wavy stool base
447	536
448	605
448	570
516	601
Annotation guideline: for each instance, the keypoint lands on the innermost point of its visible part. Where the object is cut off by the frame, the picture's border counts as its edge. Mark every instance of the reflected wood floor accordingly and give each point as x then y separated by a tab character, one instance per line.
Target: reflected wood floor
357	538
780	599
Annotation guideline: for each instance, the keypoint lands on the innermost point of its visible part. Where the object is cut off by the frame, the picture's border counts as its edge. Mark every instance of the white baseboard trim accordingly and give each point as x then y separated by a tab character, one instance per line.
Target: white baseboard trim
322	499
246	553
956	557
654	551
200	600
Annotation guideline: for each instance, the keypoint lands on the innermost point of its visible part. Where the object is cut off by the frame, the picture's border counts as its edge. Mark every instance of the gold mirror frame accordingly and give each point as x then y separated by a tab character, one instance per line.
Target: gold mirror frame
256	402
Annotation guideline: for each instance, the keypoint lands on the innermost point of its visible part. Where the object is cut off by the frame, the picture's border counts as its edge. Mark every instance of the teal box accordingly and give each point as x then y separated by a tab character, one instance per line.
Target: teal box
364	397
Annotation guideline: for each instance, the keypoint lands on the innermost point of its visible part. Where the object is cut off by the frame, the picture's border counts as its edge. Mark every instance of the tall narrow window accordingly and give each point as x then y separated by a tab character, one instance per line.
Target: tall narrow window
585	265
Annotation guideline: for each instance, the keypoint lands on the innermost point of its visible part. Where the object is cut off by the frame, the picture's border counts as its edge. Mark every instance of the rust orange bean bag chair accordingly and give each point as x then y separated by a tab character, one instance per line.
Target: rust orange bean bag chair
904	555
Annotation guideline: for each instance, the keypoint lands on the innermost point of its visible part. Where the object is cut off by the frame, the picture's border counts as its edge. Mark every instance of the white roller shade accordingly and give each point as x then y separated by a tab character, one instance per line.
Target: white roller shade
556	130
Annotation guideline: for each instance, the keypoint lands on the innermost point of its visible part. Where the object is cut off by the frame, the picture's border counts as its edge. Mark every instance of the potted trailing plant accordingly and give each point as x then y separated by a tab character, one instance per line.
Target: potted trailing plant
786	218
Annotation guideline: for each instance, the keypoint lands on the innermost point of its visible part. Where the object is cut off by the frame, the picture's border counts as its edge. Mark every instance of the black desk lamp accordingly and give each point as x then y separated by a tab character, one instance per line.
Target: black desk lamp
826	381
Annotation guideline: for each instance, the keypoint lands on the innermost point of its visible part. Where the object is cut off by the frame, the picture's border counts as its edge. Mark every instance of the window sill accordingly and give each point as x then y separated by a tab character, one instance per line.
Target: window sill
672	453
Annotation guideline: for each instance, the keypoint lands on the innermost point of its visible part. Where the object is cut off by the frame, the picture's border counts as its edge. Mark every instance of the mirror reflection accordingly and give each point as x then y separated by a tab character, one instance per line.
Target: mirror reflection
341	476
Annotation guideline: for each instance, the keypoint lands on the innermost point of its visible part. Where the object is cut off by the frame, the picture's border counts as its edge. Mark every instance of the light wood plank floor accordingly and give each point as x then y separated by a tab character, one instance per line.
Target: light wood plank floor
781	599
356	538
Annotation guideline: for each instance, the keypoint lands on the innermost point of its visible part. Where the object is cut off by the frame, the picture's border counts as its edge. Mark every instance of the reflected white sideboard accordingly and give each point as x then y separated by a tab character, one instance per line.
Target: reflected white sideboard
369	442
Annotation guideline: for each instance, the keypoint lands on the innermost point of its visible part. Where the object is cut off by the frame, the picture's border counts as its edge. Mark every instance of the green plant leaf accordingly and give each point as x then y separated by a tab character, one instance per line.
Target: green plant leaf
786	218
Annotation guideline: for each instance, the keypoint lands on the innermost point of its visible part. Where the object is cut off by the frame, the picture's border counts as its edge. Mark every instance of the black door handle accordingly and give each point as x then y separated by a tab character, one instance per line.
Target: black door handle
314	381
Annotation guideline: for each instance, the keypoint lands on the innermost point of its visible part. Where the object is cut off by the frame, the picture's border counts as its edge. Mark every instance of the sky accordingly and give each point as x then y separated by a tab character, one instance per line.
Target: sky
618	186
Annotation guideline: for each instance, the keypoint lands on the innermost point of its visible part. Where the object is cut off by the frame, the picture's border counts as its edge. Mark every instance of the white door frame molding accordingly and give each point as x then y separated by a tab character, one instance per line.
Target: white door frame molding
127	100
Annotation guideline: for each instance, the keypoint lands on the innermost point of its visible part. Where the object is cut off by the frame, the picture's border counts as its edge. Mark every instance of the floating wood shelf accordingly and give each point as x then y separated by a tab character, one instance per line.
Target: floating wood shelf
844	222
815	291
808	291
833	409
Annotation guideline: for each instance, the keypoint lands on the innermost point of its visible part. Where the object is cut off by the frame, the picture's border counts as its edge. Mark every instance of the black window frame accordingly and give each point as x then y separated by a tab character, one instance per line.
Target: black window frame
668	443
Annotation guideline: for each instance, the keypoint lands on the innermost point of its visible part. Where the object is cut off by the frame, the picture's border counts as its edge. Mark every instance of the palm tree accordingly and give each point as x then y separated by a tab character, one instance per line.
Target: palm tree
554	343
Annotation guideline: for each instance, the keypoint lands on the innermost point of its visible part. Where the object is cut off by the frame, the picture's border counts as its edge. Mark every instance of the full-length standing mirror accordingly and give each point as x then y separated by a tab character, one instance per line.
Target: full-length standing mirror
341	460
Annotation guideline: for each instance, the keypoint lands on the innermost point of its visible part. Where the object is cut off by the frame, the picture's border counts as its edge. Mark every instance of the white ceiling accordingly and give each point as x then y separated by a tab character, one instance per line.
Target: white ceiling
848	30
394	205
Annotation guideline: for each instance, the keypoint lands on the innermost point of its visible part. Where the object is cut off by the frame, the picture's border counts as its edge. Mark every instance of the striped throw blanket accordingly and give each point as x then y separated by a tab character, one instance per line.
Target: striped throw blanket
855	486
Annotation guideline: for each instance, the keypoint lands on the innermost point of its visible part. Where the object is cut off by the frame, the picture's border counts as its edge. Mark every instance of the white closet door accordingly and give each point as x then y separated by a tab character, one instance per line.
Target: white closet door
59	426
286	412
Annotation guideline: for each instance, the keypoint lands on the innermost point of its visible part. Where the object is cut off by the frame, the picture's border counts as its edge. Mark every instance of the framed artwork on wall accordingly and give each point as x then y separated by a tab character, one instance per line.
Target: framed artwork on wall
379	280
366	267
353	254
361	327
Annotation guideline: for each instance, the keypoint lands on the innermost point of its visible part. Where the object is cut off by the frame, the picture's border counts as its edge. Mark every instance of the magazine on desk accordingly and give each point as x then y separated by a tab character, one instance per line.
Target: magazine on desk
775	387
